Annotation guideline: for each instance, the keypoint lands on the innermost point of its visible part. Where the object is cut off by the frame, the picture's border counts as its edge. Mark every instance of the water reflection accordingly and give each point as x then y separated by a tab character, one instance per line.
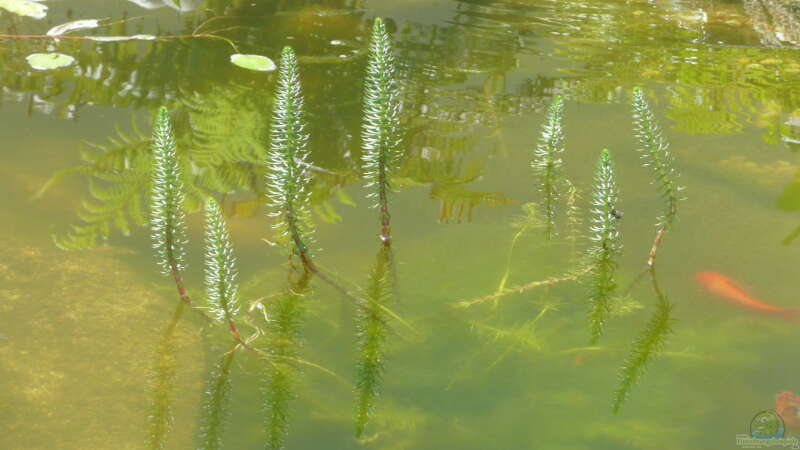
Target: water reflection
464	80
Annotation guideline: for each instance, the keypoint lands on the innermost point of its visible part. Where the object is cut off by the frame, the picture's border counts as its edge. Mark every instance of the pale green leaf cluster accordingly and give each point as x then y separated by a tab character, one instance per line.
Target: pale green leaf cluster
221	286
288	174
655	153
380	131
606	246
547	163
167	216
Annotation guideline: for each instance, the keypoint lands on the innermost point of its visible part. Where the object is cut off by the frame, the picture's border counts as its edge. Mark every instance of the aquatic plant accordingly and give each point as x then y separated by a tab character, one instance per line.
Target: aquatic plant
380	134
167	216
603	254
284	332
372	331
288	174
647	346
162	381
655	153
547	163
216	399
221	286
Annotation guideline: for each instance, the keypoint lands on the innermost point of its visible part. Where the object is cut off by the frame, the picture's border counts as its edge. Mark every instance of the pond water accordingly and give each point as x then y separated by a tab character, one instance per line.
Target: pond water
98	352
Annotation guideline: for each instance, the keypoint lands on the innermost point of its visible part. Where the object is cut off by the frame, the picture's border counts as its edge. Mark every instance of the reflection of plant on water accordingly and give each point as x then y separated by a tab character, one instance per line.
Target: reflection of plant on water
450	110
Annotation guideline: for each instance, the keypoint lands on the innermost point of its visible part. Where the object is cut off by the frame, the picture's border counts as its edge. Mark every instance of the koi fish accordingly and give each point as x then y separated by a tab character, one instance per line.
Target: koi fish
722	286
787	405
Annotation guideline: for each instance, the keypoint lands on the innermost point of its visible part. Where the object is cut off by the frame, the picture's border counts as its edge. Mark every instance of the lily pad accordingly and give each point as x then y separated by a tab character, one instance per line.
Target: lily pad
49	61
24	8
253	62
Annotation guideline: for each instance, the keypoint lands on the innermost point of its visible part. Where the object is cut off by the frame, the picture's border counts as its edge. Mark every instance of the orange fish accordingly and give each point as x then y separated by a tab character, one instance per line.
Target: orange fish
719	284
787	405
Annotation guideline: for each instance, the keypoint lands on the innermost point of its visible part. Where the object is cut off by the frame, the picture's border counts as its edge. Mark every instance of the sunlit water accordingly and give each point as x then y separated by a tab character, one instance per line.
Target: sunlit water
95	351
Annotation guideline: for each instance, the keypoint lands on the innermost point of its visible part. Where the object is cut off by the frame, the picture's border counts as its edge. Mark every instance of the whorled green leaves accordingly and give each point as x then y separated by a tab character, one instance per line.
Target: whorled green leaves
645	348
606	246
166	215
655	154
279	389
547	162
372	332
381	113
288	174
221	286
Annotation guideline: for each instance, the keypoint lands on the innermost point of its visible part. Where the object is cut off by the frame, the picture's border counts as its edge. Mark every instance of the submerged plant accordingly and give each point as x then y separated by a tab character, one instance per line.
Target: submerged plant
167	216
547	162
288	174
380	135
648	345
607	246
654	150
221	286
372	331
216	402
284	331
162	380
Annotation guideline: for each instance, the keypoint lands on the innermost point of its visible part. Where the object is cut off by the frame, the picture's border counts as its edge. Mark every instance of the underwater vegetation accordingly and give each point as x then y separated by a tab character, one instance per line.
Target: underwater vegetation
547	163
380	133
288	173
602	256
189	173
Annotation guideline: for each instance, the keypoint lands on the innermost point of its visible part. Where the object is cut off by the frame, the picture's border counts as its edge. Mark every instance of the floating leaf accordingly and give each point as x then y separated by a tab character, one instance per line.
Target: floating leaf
49	61
253	62
64	28
24	8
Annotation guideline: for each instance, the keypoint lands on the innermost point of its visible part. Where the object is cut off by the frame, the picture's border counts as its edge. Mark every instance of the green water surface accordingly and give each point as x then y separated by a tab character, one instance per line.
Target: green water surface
97	352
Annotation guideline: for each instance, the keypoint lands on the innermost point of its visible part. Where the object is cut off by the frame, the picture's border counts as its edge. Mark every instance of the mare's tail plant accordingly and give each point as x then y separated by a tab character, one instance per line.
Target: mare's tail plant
288	174
372	331
607	246
216	401
547	162
380	134
284	331
167	216
162	385
645	348
654	150
221	286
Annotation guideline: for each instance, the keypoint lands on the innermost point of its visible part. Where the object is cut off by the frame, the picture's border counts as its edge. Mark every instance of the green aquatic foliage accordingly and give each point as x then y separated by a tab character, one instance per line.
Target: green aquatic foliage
547	164
372	331
647	346
216	402
380	133
606	246
288	172
283	331
162	379
166	214
221	273
655	153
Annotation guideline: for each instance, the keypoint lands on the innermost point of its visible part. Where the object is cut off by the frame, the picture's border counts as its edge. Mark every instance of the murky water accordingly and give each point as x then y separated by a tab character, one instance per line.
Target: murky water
97	351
